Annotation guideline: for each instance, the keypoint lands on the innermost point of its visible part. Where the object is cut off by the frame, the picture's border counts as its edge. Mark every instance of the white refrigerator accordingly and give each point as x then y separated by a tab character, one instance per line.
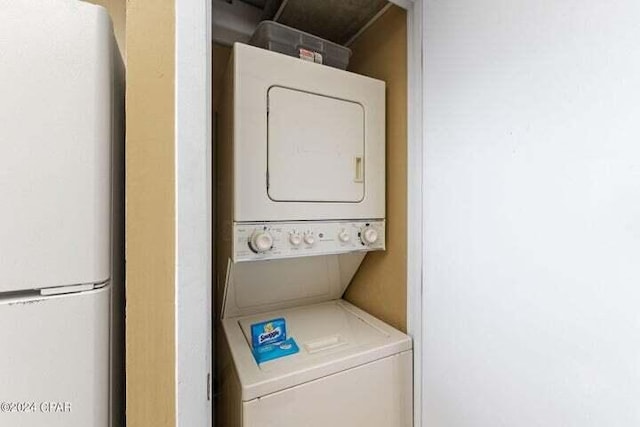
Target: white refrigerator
531	298
57	125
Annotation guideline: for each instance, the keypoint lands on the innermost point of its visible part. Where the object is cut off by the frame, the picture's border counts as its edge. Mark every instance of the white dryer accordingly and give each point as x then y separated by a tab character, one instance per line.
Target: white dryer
301	200
302	141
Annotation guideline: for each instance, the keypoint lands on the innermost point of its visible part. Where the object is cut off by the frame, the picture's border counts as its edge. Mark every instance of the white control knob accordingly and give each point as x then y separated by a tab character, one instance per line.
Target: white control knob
295	239
368	236
344	236
261	241
309	239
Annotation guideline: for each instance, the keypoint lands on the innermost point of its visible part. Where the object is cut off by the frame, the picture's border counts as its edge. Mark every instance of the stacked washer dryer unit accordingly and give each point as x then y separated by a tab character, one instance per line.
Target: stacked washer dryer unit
301	198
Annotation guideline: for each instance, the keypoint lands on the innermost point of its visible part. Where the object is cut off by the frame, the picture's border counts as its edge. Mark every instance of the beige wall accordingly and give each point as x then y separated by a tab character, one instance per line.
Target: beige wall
380	285
150	212
144	32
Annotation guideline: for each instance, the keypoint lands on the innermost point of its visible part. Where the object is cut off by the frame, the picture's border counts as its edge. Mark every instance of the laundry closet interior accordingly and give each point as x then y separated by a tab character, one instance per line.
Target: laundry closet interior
310	212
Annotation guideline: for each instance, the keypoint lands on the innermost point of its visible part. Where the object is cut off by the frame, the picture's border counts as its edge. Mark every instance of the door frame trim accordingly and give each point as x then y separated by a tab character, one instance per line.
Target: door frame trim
193	213
415	166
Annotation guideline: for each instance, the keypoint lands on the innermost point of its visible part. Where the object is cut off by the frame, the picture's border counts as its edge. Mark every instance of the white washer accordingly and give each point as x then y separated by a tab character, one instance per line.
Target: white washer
352	370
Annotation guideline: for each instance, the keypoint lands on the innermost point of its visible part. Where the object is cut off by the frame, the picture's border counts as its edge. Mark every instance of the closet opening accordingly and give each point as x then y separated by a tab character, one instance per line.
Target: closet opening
317	166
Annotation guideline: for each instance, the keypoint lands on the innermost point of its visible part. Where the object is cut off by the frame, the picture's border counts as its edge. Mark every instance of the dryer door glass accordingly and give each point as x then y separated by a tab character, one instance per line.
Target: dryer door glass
316	148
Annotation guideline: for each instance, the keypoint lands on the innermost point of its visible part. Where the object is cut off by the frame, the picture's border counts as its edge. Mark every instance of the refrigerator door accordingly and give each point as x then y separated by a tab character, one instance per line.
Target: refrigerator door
55	360
55	144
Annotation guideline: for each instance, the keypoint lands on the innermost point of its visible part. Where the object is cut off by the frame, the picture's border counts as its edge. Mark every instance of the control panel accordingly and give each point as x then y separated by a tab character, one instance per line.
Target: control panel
274	240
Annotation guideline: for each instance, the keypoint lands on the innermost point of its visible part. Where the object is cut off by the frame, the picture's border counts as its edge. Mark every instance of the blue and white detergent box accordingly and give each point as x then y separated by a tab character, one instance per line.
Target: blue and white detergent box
269	340
268	332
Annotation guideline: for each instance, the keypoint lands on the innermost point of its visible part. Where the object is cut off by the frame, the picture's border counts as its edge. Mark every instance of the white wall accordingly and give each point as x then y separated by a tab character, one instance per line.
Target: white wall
532	213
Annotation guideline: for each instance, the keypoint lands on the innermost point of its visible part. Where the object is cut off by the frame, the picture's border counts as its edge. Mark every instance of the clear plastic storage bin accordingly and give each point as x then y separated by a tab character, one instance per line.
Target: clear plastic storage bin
289	41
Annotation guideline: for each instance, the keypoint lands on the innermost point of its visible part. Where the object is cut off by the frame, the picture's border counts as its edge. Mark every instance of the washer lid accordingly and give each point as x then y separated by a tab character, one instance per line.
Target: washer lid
333	336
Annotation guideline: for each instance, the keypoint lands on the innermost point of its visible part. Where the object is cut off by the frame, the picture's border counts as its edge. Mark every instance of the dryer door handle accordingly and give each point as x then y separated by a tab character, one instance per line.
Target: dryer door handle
359	169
